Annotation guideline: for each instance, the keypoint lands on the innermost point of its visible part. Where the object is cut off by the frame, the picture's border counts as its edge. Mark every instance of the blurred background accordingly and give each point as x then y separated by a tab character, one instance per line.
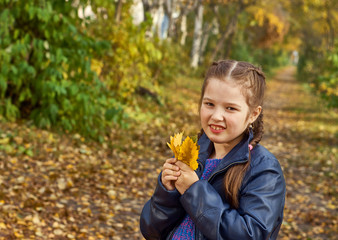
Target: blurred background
90	92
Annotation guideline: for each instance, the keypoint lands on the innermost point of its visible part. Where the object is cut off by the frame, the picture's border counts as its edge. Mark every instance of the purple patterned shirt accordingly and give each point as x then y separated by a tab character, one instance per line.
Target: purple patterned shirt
186	229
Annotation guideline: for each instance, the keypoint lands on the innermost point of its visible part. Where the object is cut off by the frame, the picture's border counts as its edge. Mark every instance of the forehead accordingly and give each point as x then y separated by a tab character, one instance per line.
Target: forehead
222	85
224	90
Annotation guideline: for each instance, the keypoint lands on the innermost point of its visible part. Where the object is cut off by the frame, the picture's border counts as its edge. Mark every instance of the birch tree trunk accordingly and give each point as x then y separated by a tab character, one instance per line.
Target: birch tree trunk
169	9
195	54
137	12
185	8
183	30
157	14
118	7
207	30
205	38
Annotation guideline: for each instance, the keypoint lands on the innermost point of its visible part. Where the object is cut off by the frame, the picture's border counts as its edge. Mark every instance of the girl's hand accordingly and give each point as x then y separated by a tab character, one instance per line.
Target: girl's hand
170	173
186	178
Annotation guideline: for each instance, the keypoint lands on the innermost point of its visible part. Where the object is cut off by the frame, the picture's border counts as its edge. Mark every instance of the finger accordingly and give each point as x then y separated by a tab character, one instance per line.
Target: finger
170	178
170	166
171	160
171	172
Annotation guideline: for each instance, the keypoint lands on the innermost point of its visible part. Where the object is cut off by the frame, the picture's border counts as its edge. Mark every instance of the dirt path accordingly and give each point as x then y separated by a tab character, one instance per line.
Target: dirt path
301	133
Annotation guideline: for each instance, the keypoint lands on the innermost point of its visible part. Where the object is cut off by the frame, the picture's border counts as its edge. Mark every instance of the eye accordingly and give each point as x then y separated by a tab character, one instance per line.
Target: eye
231	108
209	104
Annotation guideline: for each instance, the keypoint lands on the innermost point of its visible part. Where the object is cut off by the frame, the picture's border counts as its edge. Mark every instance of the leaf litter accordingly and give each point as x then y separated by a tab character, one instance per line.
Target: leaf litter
56	186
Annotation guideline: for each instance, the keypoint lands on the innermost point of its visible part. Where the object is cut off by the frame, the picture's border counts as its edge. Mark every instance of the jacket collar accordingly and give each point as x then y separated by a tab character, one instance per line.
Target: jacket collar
240	153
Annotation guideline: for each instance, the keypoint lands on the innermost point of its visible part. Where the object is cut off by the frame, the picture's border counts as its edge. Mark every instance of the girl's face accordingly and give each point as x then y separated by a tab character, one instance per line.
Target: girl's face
224	113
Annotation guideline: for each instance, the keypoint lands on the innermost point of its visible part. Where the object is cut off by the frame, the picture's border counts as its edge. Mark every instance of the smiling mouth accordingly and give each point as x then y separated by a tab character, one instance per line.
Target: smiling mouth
217	128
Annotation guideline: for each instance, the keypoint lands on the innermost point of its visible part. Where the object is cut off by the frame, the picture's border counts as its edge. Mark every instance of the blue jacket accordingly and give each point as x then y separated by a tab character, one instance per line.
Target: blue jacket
261	199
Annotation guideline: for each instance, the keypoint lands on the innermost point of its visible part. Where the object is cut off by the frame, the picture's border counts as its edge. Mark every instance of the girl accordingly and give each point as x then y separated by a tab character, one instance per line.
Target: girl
238	190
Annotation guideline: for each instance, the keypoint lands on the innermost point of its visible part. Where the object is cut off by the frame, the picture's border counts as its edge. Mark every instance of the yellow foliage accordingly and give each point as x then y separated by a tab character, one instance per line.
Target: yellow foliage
272	22
189	153
175	143
260	16
275	21
323	86
186	152
96	66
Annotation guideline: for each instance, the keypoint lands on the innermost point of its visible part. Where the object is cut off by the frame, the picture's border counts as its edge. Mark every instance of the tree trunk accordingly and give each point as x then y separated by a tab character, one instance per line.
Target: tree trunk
228	46
118	10
185	8
146	8
183	29
205	37
169	11
195	54
230	29
331	34
157	14
137	12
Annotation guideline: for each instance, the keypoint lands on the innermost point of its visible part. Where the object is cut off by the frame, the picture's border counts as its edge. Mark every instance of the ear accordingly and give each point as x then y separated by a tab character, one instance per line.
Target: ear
255	113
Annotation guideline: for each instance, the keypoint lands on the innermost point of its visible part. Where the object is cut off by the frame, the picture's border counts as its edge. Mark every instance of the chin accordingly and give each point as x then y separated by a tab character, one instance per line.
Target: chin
216	139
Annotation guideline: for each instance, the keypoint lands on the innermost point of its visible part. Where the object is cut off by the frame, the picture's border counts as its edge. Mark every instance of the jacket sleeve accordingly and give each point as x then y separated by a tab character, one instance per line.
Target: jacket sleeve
161	213
260	211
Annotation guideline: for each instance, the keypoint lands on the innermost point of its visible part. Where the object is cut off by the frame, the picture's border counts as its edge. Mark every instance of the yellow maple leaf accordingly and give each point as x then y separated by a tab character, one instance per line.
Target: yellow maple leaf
175	143
186	152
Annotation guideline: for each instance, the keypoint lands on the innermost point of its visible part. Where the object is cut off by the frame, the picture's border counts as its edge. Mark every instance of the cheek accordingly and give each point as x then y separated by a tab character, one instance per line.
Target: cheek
203	114
236	121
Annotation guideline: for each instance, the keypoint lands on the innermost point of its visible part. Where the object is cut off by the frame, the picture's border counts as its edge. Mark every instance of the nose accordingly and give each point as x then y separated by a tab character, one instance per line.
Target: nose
218	115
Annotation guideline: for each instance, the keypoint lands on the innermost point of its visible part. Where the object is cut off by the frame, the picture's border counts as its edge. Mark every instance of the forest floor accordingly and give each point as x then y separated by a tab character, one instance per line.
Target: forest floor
56	186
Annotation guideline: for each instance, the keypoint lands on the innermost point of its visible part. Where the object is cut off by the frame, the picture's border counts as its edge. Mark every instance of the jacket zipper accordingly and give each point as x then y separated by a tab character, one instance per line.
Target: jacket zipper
210	178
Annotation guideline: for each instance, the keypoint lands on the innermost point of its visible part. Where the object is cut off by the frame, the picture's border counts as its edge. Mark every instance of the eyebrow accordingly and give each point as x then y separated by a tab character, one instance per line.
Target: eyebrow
231	104
207	99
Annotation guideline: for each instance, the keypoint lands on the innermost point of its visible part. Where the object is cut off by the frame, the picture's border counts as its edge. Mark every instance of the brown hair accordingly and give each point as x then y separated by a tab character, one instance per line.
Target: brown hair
252	81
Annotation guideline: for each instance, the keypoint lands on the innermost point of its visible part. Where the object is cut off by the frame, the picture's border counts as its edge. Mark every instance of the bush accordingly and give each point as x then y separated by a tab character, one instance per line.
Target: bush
45	71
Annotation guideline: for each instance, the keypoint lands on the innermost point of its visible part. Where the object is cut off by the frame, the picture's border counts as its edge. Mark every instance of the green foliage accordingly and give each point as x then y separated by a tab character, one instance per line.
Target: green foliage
78	74
319	68
137	58
45	70
174	62
126	66
267	58
327	82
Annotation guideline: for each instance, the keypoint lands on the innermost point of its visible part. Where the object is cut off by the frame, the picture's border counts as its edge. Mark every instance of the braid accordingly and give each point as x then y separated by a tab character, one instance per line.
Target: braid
257	70
258	130
234	177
